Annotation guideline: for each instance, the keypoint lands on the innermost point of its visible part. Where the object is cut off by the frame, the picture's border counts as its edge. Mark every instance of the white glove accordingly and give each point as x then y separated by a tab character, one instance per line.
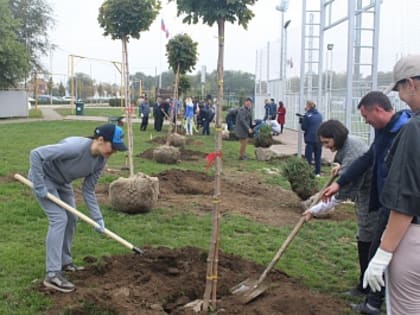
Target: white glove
324	207
101	226
374	273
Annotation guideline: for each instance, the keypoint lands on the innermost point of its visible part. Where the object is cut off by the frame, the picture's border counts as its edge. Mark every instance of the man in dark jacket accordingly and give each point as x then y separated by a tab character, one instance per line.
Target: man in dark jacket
377	110
158	114
310	123
243	126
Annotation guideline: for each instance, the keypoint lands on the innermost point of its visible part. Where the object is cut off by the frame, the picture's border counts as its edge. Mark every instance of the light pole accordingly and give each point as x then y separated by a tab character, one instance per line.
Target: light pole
282	7
284	74
328	79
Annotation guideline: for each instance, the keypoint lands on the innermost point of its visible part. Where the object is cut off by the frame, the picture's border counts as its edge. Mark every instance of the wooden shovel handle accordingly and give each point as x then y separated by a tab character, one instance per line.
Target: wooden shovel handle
292	234
81	216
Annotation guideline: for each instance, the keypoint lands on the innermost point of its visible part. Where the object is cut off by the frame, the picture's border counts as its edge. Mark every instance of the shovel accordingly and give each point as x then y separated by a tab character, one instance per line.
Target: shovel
82	216
249	289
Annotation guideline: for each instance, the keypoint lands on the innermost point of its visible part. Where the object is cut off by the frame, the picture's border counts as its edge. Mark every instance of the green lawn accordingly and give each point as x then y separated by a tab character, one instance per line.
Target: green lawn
323	255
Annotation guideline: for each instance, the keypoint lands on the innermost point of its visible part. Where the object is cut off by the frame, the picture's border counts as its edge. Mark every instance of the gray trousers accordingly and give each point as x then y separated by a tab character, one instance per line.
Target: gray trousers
61	227
367	221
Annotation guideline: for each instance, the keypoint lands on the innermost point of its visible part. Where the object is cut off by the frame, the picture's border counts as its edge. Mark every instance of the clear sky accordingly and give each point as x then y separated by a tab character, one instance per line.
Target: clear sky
77	32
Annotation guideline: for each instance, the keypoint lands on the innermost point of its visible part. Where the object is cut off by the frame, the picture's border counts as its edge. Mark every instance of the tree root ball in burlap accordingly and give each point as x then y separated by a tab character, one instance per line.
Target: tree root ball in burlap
136	194
176	140
166	154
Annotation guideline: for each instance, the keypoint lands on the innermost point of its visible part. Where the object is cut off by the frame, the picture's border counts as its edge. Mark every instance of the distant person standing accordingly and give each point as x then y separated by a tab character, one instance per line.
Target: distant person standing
189	116
281	116
243	126
144	113
158	114
267	109
273	110
310	123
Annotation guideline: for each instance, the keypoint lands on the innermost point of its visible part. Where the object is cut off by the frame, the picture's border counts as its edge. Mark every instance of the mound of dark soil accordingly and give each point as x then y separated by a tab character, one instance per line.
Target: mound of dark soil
164	280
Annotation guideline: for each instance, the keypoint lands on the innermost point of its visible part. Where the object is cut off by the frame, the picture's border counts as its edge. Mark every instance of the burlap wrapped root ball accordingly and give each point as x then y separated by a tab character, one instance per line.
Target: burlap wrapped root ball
136	194
166	154
176	140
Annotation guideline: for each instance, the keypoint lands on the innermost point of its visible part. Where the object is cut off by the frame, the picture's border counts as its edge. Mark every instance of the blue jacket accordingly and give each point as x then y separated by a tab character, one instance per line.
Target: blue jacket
310	124
375	157
145	109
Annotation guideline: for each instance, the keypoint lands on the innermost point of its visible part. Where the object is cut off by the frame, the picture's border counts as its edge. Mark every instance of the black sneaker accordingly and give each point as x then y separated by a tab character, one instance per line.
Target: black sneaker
59	283
72	267
365	308
243	158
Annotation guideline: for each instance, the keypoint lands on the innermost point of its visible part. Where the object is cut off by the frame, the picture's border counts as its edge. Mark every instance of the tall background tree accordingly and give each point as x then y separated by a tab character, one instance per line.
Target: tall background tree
13	56
122	19
181	51
216	12
34	21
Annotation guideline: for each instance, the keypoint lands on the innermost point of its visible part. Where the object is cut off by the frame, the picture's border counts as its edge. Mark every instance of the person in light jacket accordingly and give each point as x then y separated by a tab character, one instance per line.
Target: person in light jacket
53	168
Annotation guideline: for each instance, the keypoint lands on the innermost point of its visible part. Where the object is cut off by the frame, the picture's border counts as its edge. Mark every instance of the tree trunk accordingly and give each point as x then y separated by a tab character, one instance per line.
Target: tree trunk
213	257
172	114
128	106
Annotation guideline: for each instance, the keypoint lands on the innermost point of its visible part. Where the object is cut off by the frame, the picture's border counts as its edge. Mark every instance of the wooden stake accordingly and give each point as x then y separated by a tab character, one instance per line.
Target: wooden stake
128	107
213	257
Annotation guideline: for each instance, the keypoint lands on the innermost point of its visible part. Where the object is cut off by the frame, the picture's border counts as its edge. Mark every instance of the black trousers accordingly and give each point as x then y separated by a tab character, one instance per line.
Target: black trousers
144	122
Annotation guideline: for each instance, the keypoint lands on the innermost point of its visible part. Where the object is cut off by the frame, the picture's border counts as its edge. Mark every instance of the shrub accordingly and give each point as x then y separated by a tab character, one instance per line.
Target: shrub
301	177
264	138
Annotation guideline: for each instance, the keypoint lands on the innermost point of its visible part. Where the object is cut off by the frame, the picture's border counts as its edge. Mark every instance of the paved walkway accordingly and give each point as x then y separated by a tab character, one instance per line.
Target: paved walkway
289	138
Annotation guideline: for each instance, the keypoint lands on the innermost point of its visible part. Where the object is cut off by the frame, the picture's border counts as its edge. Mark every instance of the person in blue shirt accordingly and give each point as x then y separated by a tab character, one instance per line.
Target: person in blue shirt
310	123
144	110
189	116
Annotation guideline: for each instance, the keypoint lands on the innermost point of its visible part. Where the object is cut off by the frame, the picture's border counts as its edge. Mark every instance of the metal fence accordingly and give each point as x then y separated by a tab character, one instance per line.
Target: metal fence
332	106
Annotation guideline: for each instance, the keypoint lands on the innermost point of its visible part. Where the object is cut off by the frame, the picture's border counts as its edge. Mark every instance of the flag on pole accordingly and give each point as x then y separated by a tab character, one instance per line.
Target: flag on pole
164	28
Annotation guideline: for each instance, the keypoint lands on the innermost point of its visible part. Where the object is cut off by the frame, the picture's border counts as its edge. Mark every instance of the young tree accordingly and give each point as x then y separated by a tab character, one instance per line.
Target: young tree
211	12
13	57
184	85
121	19
182	57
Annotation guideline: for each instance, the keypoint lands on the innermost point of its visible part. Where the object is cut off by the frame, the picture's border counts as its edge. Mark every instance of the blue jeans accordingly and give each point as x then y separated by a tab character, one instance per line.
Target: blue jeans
311	150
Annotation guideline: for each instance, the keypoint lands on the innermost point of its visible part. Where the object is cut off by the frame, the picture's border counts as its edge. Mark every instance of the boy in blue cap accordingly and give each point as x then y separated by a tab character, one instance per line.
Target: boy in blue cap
52	170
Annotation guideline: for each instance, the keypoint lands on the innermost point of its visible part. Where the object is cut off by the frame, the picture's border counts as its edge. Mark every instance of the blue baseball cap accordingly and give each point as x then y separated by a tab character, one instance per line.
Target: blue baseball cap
113	134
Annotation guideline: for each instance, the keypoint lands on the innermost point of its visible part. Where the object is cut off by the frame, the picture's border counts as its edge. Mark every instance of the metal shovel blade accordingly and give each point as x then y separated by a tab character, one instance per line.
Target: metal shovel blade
248	290
243	286
253	293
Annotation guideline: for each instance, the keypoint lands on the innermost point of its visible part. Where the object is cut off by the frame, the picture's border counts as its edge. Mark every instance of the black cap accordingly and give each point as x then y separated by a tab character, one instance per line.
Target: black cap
113	134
